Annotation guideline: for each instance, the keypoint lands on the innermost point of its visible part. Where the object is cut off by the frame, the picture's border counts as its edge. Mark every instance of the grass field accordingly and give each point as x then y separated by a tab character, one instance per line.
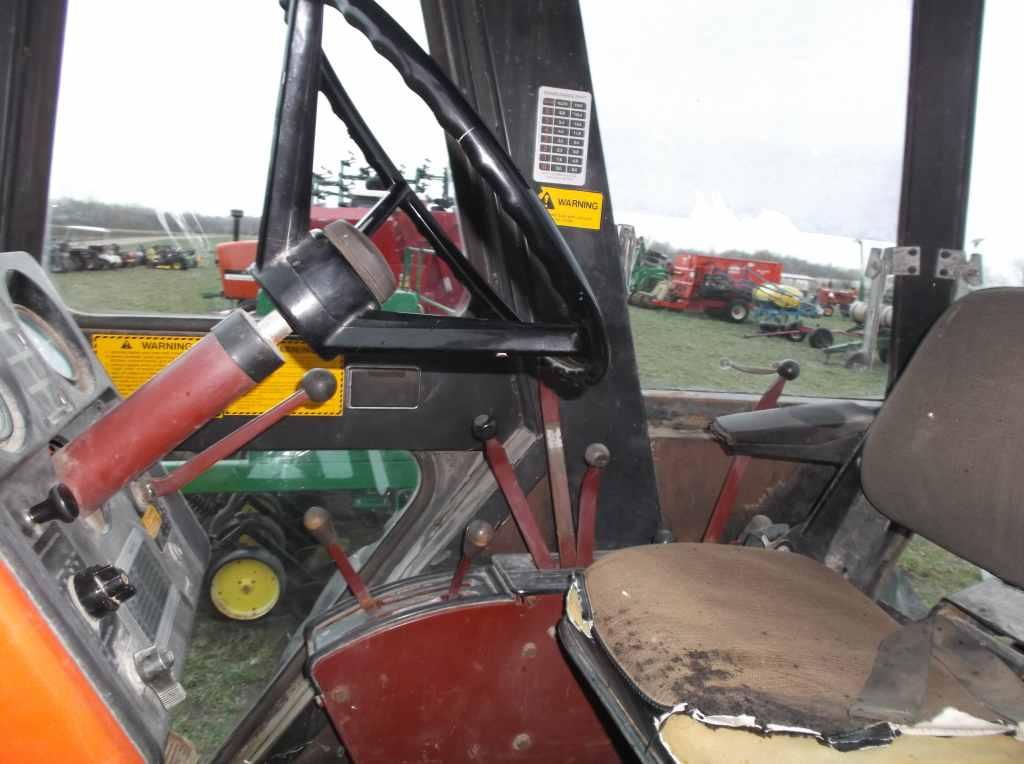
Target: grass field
229	664
141	289
934	572
683	350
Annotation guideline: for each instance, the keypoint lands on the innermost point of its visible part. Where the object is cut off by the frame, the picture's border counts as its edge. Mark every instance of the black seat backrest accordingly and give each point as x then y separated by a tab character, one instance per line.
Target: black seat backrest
945	456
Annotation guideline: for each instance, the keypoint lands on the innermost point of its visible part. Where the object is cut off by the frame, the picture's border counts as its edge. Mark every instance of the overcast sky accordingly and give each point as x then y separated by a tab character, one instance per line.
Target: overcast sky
738	124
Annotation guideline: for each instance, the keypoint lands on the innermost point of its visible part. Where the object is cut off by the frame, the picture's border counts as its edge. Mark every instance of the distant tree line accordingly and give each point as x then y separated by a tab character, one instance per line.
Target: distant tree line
790	264
135	217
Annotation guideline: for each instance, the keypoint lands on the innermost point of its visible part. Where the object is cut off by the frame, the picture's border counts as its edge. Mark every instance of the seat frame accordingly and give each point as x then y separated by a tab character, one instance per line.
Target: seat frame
630	713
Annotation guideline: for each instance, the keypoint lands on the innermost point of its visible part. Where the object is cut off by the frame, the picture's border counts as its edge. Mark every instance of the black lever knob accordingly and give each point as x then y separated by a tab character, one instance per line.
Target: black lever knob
59	504
788	369
102	589
478	536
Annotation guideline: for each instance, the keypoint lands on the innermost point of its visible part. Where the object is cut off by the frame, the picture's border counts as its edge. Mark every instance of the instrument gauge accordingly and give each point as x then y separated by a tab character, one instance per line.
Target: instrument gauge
12	423
47	342
6	421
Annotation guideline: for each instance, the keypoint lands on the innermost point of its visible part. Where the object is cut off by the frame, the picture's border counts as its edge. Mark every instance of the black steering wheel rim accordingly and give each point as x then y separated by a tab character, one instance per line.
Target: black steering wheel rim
515	196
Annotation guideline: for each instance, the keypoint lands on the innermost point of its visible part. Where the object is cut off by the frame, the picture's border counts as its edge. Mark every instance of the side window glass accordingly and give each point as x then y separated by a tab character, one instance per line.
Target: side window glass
155	206
997	160
763	171
161	134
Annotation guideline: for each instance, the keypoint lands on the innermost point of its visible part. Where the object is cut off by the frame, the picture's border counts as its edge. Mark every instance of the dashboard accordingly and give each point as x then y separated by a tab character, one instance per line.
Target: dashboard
118	588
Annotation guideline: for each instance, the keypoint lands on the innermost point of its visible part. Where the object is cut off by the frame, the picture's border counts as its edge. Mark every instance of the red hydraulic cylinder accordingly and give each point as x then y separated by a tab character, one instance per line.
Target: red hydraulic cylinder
183	397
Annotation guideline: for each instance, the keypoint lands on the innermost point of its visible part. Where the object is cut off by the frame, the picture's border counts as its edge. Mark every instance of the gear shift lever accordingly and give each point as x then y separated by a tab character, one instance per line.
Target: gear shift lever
318	522
477	538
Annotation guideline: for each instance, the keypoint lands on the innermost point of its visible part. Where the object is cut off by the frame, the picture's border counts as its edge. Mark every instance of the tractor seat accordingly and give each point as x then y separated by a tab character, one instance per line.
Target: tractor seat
717	653
724	635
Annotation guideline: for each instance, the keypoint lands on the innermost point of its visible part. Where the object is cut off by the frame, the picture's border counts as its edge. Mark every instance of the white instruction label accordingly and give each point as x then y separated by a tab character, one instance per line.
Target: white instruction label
563	136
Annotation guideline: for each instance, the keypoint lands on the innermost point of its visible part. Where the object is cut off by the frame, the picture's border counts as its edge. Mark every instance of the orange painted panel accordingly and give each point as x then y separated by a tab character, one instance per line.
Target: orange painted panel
50	710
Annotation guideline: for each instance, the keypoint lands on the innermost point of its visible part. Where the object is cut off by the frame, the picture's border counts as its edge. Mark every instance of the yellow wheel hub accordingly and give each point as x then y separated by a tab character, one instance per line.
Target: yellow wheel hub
245	589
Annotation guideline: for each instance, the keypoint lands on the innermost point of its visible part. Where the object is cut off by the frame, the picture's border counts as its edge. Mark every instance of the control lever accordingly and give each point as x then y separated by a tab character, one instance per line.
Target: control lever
316	386
477	538
787	371
318	522
485	429
597	457
231	360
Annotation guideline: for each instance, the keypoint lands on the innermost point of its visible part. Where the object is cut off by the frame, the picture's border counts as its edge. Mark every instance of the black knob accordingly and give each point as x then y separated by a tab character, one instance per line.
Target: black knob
59	504
788	369
597	455
101	589
478	536
319	385
484	427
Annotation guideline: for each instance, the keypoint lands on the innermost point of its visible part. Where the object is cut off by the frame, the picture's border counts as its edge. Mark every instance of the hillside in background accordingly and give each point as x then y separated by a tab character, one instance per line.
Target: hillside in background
134	217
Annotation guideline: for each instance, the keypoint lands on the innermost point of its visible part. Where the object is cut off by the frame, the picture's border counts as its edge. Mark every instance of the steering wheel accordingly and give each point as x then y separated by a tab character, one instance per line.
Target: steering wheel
578	354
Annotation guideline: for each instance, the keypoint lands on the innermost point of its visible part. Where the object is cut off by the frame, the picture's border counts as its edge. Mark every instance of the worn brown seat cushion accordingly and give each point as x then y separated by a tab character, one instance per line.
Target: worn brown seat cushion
735	630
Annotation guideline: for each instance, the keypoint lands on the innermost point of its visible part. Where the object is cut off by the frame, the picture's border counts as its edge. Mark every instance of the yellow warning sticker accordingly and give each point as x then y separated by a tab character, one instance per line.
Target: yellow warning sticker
572	208
131	360
152	521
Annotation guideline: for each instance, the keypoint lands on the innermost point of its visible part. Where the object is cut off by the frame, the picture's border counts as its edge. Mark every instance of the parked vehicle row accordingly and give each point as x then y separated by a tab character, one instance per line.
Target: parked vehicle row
67	257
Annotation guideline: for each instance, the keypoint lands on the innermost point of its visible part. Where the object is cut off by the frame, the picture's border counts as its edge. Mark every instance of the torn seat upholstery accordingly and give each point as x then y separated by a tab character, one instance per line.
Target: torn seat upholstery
757	639
702	638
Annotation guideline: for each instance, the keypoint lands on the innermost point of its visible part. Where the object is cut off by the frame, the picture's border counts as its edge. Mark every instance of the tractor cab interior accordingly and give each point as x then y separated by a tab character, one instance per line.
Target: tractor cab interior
422	432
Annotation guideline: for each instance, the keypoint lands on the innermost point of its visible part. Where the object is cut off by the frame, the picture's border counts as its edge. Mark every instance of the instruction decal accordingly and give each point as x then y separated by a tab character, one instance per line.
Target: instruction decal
571	208
131	360
563	136
152	521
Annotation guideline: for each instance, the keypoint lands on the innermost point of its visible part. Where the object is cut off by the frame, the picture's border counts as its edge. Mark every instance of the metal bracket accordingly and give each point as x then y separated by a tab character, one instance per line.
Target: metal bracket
906	261
956	265
875	263
154	667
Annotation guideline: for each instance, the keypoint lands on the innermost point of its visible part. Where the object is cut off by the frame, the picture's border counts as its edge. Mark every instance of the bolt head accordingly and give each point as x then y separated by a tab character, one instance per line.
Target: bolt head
485	427
597	455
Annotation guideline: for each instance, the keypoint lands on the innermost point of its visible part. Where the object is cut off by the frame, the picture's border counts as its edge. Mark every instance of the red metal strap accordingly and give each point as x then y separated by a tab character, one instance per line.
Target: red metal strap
496	457
227	445
352	578
558	477
588	516
460	574
730	487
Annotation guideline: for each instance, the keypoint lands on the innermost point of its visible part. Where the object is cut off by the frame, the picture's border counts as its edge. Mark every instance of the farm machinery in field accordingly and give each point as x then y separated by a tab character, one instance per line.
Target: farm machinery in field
251	507
66	257
167	258
831	299
425	282
780	310
719	286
